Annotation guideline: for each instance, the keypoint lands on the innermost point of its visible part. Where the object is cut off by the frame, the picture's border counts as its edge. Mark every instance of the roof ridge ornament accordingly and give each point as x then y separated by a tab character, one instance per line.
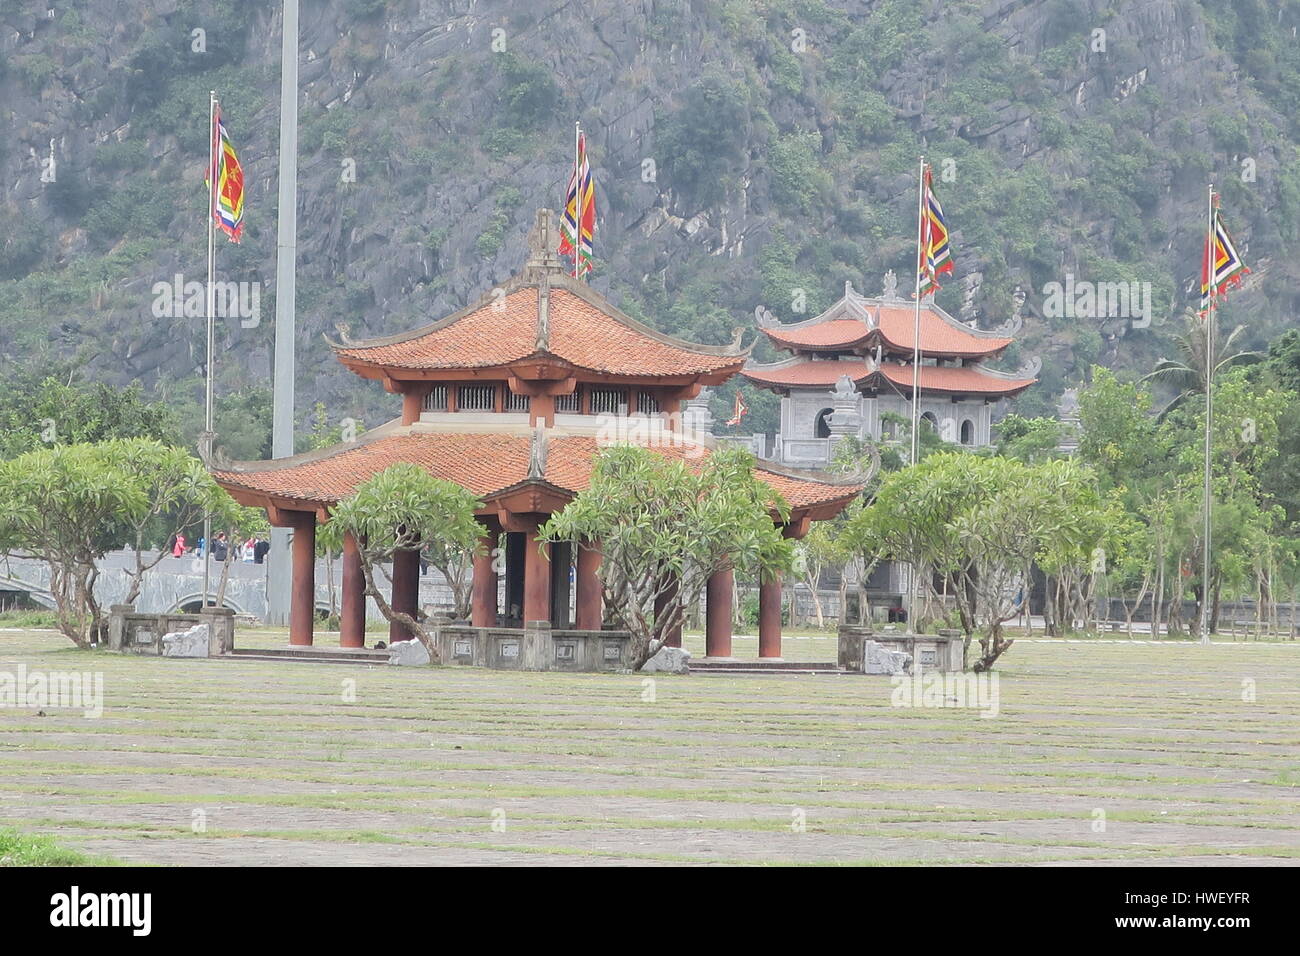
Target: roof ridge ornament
891	286
543	343
542	257
537	452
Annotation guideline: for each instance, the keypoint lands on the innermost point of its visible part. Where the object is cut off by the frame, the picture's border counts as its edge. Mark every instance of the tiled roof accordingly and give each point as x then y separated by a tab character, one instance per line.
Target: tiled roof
947	379
938	337
482	463
505	330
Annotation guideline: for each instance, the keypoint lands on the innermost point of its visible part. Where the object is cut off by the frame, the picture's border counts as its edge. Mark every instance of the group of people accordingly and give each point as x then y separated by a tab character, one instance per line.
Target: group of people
253	550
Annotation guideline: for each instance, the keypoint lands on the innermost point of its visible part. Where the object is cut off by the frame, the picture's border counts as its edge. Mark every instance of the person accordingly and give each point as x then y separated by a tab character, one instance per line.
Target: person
219	548
178	546
198	548
259	552
249	546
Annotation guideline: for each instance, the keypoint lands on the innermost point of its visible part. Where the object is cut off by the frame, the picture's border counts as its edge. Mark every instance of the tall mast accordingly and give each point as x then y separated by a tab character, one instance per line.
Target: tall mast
913	573
282	397
214	144
1209	410
577	195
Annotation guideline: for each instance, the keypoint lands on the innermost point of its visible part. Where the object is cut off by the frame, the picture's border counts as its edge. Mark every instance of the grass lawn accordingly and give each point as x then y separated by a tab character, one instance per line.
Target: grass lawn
1101	753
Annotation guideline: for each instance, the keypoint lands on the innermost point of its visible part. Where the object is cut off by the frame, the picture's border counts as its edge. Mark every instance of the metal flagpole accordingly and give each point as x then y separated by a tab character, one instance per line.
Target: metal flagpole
577	194
914	575
213	145
286	255
1209	410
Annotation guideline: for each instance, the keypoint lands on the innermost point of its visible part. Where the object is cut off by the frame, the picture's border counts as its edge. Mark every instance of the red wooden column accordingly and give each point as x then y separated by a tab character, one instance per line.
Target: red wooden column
588	613
483	601
406	591
352	613
537	578
769	616
302	594
717	621
664	605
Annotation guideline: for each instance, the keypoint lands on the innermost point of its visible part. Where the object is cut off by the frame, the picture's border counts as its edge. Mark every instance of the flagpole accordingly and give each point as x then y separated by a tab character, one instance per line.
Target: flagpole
212	260
916	369
1209	410
577	194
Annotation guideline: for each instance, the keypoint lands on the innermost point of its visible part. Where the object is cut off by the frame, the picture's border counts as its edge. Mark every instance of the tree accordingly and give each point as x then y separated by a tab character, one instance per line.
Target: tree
48	406
1029	439
664	527
913	520
60	505
1186	374
403	509
178	491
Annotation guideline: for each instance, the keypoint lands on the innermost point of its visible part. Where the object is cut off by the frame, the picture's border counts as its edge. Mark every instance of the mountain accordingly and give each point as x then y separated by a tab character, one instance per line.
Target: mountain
745	154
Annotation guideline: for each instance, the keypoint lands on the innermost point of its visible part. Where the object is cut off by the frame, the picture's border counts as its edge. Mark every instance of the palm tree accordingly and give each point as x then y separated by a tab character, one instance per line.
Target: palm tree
1187	374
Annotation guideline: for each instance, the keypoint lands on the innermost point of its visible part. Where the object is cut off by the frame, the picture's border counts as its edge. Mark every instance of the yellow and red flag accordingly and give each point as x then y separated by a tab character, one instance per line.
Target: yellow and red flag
578	224
227	196
934	257
1221	266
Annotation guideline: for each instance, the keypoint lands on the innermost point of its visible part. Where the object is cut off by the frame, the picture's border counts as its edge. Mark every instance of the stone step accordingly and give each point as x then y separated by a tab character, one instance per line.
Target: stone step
351	655
704	663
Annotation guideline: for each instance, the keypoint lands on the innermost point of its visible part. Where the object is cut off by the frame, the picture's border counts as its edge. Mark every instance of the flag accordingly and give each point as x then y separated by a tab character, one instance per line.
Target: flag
1221	265
578	224
739	412
228	197
934	257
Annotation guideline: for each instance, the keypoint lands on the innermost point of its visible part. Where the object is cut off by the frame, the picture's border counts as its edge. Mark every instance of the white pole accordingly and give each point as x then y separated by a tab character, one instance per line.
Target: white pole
1209	410
914	577
214	143
282	394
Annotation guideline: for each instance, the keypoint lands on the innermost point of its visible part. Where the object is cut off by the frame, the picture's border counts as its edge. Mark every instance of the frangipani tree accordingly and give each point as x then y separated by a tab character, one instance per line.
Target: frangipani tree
664	527
66	506
178	492
403	508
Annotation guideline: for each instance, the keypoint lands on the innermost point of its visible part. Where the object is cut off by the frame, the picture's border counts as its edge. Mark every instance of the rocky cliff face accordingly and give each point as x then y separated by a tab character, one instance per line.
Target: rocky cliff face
745	154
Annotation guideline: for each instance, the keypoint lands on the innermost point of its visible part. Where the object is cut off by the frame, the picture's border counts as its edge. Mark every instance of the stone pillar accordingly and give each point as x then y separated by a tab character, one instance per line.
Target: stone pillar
406	592
717	620
483	602
352	610
588	613
769	616
665	604
697	418
537	579
302	594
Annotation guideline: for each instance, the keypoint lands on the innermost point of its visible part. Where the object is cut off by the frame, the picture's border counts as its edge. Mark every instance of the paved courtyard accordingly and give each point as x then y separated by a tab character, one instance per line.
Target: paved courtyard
1101	752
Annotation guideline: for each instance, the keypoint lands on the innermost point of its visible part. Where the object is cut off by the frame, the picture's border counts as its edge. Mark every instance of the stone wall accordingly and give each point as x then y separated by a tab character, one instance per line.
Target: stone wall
943	652
534	648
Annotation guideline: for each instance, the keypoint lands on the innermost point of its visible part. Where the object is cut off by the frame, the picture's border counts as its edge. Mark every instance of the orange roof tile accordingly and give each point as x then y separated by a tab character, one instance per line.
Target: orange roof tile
938	337
505	330
484	464
934	378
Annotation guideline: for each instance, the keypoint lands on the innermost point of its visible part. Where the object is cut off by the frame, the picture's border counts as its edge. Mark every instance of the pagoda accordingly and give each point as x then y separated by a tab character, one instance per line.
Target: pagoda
512	398
852	365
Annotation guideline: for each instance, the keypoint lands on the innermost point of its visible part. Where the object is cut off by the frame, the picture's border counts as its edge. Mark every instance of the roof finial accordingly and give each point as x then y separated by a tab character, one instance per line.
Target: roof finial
542	257
891	285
